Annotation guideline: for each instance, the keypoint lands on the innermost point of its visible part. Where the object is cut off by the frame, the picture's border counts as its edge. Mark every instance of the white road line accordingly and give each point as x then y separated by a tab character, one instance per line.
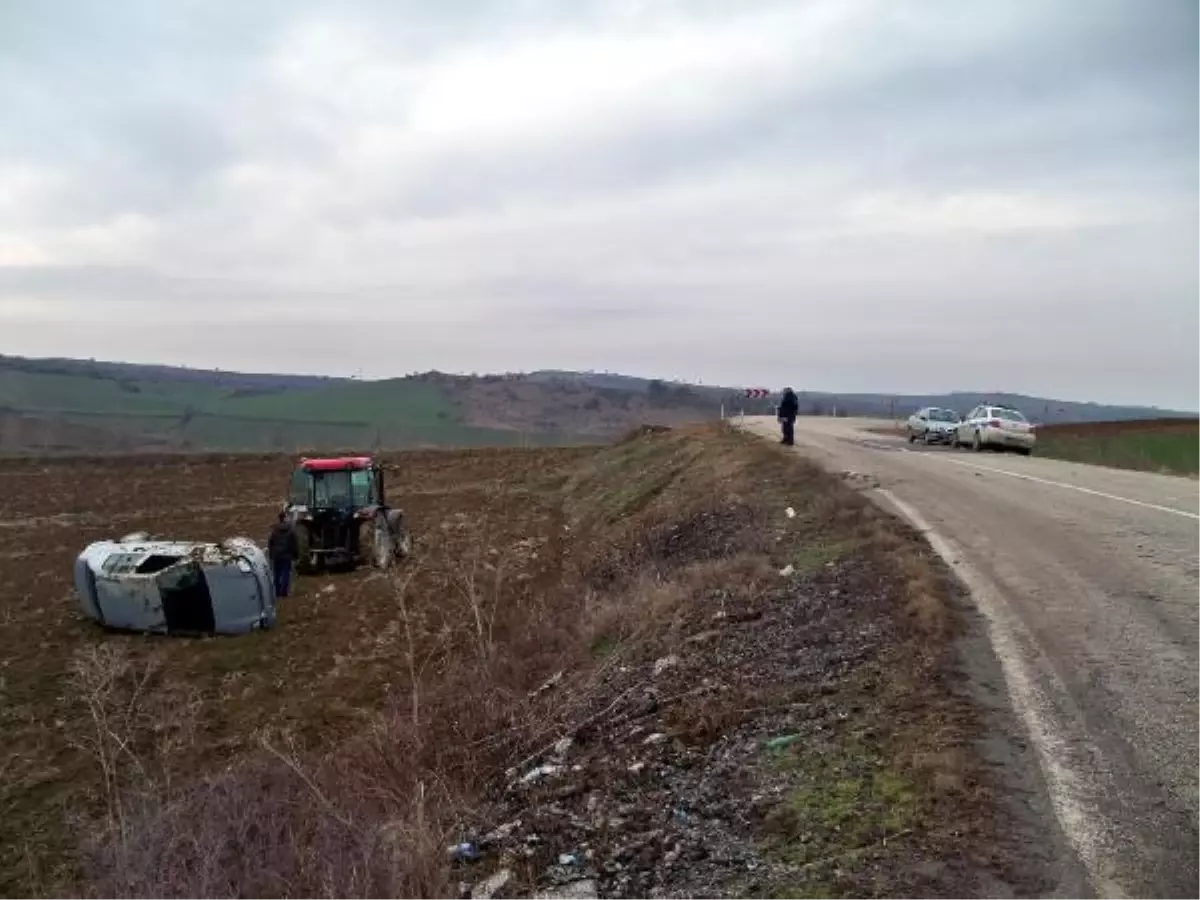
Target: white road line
1061	484
1080	819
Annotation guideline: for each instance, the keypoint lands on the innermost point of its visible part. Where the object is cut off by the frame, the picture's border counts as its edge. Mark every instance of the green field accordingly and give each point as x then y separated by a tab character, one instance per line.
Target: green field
1169	446
394	413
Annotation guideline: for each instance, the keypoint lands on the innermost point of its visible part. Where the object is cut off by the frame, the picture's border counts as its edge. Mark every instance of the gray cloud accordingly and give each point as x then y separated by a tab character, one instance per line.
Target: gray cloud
750	193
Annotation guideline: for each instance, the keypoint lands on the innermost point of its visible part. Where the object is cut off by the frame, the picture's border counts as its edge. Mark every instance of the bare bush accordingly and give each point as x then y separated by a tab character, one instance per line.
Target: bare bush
480	627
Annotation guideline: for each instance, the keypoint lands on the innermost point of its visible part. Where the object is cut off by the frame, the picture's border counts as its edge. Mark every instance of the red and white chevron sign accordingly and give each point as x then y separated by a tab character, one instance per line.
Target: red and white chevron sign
757	392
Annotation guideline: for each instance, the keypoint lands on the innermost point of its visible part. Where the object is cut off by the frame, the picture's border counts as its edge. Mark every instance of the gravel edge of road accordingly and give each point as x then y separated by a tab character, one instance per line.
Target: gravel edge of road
1006	744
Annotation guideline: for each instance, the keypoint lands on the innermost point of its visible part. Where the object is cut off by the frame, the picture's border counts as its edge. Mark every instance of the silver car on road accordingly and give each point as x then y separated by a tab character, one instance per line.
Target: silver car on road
997	427
932	425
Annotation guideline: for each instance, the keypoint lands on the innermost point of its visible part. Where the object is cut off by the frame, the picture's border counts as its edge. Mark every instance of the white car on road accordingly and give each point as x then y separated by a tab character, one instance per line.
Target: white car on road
995	426
932	425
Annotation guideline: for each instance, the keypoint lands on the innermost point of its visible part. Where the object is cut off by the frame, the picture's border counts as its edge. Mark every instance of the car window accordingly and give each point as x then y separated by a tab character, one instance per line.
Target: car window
1009	415
943	415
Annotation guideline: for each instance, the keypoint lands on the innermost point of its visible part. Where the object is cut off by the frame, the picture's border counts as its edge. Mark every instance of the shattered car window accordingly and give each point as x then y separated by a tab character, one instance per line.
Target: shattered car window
120	562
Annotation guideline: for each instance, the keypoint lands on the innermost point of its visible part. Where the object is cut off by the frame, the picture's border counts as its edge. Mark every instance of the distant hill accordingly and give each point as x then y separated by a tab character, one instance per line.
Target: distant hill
50	405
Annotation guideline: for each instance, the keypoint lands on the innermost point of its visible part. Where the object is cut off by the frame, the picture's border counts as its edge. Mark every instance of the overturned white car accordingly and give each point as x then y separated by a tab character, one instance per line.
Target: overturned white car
176	587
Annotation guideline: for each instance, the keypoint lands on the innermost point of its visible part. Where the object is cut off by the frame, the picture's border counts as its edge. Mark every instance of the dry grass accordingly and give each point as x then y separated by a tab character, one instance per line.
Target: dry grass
619	548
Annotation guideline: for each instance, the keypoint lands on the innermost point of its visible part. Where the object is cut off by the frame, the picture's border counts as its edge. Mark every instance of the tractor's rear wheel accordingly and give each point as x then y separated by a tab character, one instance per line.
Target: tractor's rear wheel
375	543
401	538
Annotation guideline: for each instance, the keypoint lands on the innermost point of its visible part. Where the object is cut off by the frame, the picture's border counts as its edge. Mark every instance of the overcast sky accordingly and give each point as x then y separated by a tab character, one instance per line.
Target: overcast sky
835	194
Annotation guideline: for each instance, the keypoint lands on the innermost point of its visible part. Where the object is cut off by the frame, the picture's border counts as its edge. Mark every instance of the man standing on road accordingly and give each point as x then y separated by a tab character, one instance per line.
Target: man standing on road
282	550
789	408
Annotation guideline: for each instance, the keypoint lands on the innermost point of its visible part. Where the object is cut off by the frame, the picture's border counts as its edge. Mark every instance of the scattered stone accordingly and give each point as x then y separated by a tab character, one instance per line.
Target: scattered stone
328	589
636	767
563	745
663	663
657	738
787	570
790	513
567	859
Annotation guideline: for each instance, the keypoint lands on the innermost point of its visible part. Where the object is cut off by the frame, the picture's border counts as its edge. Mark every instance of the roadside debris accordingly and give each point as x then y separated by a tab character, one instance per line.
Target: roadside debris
463	852
548	684
485	889
539	772
787	570
501	832
783	740
575	890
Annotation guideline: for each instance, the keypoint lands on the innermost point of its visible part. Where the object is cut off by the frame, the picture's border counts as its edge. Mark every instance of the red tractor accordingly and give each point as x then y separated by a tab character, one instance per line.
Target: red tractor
341	518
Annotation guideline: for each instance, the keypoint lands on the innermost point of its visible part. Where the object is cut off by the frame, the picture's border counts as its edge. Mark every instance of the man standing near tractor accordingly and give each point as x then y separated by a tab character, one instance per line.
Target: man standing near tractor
789	408
283	549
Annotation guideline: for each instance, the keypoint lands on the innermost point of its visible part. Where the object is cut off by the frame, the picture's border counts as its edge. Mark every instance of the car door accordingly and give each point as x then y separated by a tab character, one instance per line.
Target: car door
967	425
923	421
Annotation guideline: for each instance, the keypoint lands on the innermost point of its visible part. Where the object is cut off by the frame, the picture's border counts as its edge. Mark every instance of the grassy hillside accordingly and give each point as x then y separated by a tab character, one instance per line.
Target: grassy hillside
50	404
195	415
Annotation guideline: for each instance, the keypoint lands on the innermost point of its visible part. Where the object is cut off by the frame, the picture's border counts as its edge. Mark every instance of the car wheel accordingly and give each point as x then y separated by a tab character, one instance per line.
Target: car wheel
911	437
977	443
1025	451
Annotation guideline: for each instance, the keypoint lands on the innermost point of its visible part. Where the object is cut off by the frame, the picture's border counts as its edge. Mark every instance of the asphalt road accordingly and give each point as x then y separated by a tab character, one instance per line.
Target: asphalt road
1088	578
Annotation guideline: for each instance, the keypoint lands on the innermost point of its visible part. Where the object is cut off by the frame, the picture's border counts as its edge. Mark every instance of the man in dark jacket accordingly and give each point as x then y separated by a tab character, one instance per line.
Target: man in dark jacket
789	408
282	550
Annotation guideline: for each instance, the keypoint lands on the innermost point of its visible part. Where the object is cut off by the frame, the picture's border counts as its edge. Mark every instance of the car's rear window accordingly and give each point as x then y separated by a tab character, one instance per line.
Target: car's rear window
943	415
1010	415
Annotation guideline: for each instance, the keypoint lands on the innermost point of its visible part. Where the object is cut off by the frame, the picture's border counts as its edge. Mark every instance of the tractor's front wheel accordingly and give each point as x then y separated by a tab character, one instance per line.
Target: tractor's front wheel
304	564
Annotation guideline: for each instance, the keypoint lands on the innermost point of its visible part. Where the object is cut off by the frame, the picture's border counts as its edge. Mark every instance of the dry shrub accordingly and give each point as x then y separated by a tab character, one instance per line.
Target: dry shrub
373	817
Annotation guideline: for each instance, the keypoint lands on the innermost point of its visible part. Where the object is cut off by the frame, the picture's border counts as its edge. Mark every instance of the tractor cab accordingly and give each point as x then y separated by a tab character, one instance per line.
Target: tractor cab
341	518
346	483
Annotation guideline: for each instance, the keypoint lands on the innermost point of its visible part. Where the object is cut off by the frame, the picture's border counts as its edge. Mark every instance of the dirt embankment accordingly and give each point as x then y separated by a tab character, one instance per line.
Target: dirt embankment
686	664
